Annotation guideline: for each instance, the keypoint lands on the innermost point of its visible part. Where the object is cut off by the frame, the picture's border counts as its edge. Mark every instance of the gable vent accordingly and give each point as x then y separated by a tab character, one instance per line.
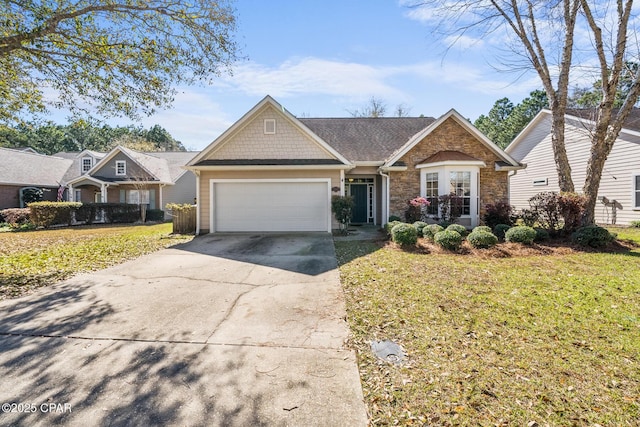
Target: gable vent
269	126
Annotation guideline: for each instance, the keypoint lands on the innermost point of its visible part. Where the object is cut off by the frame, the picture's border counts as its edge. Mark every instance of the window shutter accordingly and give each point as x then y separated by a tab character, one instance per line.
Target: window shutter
123	196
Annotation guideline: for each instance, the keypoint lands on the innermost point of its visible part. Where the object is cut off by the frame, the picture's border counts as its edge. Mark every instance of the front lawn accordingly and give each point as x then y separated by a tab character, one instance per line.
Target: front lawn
29	260
527	340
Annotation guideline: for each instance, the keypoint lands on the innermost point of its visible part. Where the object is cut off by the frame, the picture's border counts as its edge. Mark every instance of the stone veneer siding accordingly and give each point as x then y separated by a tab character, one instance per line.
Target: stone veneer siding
448	136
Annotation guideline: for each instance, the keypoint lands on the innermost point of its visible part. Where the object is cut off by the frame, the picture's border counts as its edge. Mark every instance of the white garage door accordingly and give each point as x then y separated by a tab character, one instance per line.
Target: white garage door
270	205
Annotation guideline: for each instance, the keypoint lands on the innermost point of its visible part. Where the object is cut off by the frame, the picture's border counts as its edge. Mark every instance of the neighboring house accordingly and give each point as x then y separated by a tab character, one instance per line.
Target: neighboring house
271	171
619	191
128	176
22	170
120	176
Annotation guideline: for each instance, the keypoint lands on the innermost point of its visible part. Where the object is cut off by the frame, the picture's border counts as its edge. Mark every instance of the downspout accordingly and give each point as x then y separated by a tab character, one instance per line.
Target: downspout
197	203
385	211
515	172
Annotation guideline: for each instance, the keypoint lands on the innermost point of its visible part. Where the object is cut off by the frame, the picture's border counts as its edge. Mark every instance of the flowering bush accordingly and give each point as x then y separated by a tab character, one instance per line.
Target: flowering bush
416	210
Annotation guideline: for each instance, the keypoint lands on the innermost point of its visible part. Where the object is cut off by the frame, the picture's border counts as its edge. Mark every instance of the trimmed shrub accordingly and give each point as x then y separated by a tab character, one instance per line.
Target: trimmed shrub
460	229
430	230
419	225
404	234
482	239
394	218
121	212
498	213
46	214
593	236
155	215
635	224
541	234
520	234
448	239
483	228
15	217
500	230
388	226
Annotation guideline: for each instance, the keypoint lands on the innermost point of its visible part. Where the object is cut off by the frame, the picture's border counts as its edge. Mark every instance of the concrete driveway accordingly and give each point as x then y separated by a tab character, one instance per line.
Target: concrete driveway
226	330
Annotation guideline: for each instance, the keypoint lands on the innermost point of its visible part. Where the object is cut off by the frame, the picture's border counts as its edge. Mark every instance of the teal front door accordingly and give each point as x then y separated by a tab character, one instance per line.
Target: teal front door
359	195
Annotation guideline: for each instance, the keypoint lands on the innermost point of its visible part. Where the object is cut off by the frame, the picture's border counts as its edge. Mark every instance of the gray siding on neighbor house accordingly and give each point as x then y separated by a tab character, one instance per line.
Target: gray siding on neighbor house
184	191
617	178
108	170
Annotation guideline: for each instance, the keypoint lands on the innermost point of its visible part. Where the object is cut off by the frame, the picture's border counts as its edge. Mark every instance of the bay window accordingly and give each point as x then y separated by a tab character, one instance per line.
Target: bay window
461	179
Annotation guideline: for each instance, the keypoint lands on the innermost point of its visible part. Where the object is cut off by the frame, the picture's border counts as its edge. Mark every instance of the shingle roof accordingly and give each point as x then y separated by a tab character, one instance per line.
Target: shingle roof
448	155
267	162
632	122
367	139
158	167
25	168
175	160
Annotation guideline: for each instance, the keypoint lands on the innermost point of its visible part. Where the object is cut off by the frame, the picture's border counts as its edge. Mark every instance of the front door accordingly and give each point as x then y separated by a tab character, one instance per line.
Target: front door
359	194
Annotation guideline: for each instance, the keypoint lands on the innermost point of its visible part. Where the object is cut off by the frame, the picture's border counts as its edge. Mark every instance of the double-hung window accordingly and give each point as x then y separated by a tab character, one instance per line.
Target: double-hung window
121	167
460	185
432	192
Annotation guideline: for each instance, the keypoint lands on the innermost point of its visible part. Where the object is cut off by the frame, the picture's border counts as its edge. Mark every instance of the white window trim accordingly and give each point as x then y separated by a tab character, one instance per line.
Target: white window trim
82	170
634	191
269	126
76	193
124	167
443	172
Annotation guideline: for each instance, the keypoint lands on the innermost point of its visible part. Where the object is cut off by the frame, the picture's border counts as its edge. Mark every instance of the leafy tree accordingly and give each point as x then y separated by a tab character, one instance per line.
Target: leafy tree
50	138
505	121
117	57
492	125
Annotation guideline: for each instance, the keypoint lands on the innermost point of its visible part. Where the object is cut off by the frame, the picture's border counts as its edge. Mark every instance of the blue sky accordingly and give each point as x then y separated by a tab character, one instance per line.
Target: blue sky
325	58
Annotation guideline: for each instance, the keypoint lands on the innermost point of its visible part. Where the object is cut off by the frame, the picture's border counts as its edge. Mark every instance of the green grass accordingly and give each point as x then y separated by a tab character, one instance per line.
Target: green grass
34	259
550	339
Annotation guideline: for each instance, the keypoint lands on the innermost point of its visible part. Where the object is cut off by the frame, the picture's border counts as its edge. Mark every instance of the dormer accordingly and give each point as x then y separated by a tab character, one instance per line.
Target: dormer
86	163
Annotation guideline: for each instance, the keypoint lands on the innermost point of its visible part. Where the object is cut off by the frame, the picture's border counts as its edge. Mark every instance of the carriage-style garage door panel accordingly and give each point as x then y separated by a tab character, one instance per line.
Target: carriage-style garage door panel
270	205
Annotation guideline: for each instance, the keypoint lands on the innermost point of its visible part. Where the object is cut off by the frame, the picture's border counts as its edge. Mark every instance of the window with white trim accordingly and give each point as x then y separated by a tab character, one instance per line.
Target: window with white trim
460	185
121	167
269	126
636	191
87	164
432	192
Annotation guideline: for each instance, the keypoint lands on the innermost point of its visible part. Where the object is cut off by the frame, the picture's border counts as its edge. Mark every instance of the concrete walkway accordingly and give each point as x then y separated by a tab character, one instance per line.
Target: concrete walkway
226	330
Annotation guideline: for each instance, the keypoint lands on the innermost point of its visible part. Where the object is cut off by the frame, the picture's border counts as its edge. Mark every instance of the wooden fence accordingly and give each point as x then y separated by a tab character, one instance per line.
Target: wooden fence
184	221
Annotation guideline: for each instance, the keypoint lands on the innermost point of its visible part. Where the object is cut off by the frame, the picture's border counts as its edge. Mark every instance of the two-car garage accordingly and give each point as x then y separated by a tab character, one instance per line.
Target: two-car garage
271	205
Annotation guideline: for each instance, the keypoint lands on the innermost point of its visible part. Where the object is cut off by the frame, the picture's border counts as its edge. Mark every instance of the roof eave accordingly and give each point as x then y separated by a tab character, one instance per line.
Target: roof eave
500	168
478	163
268	167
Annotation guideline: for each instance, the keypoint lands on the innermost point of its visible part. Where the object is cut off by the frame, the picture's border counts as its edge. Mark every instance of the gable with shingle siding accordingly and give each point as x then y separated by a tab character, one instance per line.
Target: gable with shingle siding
251	142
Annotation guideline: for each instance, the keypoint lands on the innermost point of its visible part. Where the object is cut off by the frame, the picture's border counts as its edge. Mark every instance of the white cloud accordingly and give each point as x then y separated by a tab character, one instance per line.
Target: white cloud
311	76
194	118
464	42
